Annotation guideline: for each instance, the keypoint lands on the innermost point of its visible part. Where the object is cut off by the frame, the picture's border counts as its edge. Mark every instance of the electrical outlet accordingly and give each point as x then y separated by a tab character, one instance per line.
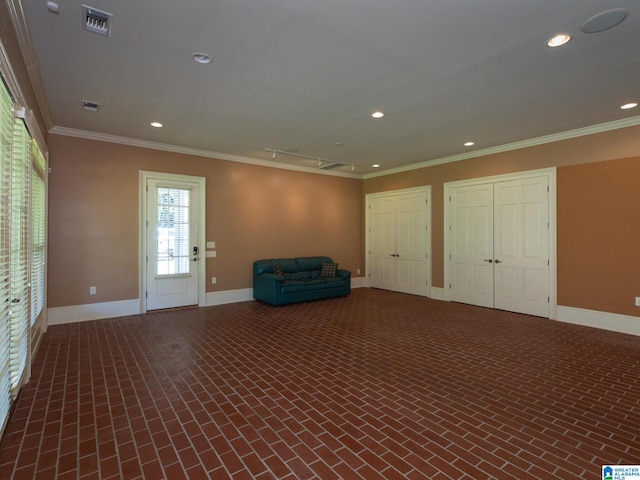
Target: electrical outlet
92	290
358	272
214	280
637	301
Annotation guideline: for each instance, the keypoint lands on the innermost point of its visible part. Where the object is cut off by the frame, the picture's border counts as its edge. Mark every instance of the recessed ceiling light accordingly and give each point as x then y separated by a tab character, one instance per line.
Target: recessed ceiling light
377	114
627	106
156	124
559	40
376	165
202	58
469	144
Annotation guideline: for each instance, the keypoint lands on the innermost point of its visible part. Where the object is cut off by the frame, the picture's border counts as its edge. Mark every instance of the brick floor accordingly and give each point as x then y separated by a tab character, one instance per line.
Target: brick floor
378	385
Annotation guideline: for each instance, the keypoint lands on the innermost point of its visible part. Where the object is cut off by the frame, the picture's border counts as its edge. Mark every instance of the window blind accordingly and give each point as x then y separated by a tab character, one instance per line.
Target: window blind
6	121
38	216
19	313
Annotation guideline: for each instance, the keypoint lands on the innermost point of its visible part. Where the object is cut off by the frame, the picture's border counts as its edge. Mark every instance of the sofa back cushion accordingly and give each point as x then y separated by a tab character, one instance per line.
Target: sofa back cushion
308	264
288	265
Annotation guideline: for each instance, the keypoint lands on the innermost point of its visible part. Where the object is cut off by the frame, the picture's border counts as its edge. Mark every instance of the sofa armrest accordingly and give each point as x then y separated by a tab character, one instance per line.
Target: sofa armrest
266	287
343	273
271	277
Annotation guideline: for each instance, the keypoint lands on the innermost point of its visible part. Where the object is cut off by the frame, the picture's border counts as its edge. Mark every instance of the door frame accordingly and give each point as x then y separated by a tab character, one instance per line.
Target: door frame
424	189
144	176
553	264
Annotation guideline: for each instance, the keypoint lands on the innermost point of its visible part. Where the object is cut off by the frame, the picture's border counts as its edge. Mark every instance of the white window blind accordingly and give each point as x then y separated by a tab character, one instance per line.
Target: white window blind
6	122
19	313
38	214
173	243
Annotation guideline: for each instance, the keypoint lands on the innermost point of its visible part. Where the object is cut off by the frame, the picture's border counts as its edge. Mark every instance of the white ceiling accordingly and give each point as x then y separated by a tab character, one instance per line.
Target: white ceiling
305	75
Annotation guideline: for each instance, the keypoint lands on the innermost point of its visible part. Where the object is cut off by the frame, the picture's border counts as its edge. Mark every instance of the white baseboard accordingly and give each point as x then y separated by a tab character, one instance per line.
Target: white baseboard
437	293
92	311
358	282
229	296
605	320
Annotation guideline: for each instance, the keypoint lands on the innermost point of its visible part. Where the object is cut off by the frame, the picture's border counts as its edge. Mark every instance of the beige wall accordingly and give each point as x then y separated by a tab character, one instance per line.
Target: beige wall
599	235
252	212
615	213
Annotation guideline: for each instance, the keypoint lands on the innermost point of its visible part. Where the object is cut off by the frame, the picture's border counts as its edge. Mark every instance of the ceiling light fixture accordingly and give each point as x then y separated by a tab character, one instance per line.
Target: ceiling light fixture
377	114
376	165
469	144
156	124
202	58
559	40
627	106
323	163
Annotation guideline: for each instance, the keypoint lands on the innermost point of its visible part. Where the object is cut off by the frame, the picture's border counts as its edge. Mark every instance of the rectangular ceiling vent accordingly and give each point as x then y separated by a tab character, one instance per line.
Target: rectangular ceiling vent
97	21
91	106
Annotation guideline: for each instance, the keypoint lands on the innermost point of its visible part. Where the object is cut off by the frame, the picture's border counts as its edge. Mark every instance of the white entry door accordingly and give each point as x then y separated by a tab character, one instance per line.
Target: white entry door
399	239
172	245
499	245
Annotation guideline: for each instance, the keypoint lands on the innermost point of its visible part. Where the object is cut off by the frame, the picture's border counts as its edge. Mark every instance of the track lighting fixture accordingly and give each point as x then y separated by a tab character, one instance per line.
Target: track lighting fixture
323	163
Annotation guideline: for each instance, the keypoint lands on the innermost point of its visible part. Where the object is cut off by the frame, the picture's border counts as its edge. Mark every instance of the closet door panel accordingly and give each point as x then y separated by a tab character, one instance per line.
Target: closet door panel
522	246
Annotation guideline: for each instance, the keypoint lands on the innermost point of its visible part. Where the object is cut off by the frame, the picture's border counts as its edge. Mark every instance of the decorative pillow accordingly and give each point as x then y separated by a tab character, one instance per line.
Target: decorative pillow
328	269
278	270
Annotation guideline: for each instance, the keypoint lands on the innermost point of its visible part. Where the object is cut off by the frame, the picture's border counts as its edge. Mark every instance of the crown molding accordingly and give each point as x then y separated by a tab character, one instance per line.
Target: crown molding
555	137
133	142
21	28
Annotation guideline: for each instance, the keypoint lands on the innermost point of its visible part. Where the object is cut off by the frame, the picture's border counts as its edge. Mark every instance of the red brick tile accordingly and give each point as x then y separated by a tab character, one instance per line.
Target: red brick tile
375	385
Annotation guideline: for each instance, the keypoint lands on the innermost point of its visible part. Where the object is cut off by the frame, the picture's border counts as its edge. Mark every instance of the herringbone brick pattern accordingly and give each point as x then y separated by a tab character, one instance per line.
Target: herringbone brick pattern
378	385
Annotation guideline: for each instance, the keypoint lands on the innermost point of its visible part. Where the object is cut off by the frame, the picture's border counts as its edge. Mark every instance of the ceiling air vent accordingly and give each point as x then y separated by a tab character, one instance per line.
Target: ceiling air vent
97	21
91	106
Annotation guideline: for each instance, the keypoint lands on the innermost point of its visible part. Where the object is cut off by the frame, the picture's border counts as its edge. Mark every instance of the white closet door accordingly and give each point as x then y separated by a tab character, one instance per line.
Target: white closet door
382	235
521	246
411	244
471	244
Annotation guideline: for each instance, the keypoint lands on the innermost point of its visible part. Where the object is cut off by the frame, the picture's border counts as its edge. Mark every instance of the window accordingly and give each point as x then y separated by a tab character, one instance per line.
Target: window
173	231
22	246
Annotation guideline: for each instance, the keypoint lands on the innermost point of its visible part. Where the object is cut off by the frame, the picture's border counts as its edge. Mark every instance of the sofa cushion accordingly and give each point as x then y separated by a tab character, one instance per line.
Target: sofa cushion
288	265
292	286
311	263
328	269
297	276
335	281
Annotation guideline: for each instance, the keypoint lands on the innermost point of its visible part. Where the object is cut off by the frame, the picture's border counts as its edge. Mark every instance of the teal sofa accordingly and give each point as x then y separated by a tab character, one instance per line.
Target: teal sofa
300	279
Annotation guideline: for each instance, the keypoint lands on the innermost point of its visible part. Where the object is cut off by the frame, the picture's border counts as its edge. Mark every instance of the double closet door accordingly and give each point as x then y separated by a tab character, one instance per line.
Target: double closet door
499	245
399	241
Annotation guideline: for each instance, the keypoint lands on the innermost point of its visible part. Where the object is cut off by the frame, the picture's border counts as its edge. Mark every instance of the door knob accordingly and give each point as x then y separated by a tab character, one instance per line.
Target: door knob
498	261
490	261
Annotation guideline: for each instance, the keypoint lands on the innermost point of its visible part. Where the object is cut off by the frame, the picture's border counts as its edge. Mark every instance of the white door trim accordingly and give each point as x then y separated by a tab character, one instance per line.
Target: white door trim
553	267
424	189
142	205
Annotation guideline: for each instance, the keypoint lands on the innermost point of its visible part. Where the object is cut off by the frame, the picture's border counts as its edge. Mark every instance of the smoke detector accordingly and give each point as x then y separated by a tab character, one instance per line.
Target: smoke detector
97	21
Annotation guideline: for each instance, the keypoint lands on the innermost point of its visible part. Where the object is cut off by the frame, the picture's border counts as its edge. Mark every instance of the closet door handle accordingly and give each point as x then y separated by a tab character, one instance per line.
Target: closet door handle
490	261
498	261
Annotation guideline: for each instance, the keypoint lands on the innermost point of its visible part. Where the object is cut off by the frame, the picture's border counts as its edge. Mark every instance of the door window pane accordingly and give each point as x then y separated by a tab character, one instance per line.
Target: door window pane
173	242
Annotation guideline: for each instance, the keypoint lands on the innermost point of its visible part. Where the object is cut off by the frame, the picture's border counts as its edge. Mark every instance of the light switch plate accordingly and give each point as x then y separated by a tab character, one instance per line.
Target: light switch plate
211	244
210	253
